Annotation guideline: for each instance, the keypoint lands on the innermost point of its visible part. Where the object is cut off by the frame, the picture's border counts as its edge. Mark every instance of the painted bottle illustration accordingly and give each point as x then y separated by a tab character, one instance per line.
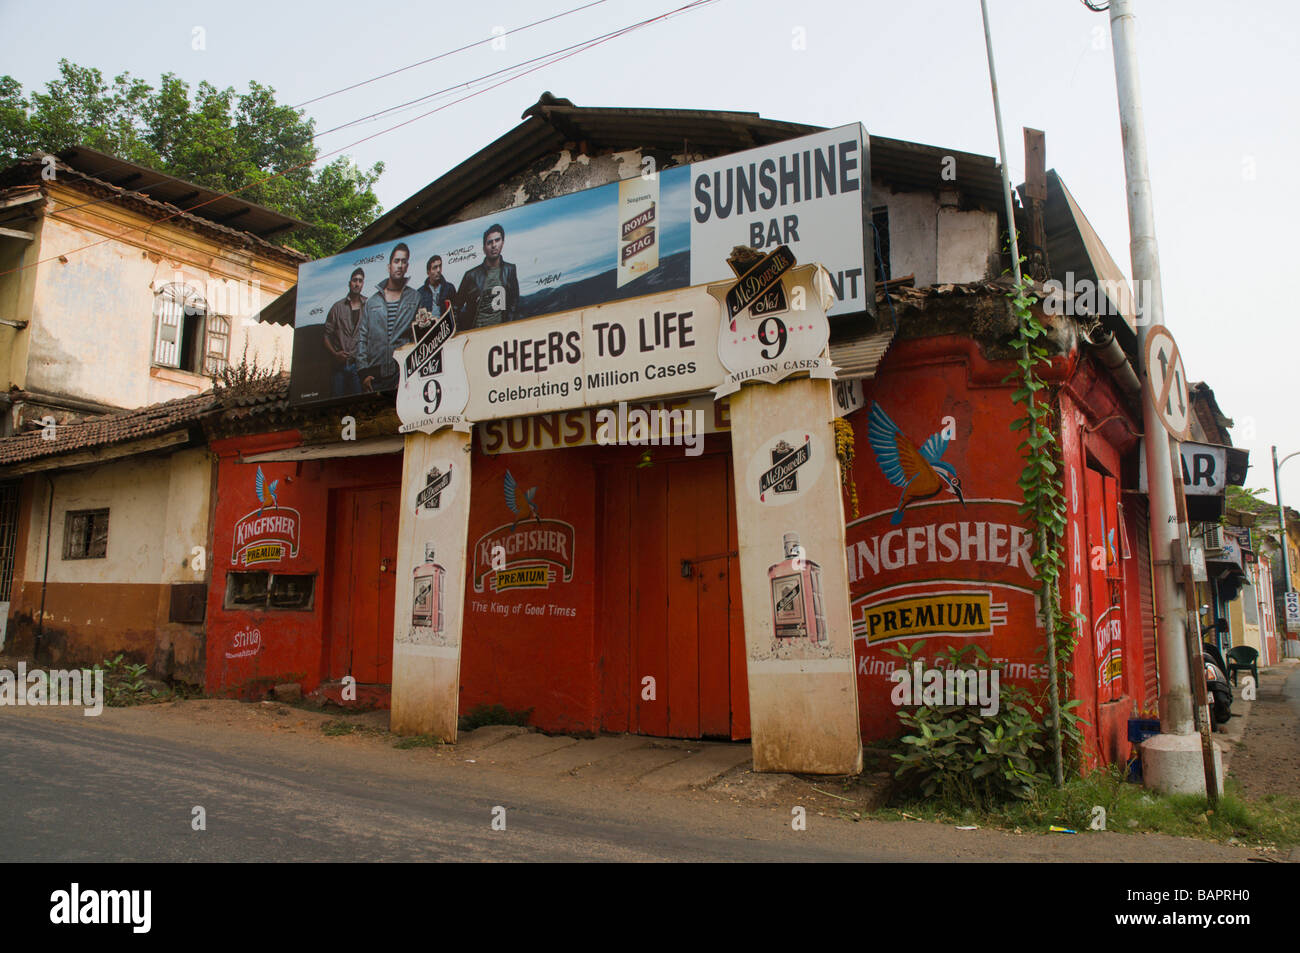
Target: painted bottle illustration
426	607
797	595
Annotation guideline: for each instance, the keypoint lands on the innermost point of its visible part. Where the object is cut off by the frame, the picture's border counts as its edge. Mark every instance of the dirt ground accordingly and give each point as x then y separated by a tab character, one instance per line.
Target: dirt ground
1267	758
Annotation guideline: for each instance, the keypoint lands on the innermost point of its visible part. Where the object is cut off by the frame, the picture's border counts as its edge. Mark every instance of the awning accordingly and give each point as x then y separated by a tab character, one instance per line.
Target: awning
858	357
320	451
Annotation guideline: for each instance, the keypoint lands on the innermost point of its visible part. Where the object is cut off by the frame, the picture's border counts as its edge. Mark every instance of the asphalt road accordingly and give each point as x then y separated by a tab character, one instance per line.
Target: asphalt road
69	792
123	786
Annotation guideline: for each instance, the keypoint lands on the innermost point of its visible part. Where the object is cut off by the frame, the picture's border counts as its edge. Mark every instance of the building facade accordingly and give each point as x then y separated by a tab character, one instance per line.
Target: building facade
117	305
638	587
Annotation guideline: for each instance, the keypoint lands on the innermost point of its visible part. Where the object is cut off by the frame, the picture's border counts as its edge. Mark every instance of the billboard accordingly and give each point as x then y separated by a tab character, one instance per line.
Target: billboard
657	232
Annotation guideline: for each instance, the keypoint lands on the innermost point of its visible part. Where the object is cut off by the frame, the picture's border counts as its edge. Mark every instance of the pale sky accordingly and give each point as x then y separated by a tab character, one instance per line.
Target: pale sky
1219	80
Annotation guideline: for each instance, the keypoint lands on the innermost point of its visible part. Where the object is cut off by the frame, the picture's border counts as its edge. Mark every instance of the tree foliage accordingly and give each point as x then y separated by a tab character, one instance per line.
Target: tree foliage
216	138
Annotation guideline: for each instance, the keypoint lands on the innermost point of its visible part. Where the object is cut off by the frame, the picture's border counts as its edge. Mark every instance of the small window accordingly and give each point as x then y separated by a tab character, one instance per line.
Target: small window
185	335
292	592
264	590
216	352
85	534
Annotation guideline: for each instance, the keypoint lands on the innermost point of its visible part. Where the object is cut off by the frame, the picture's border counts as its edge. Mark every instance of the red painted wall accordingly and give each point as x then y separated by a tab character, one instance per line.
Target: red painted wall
978	548
534	647
249	650
943	386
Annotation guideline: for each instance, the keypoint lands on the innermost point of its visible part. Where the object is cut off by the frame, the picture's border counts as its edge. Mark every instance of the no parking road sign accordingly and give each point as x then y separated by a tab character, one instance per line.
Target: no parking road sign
1164	367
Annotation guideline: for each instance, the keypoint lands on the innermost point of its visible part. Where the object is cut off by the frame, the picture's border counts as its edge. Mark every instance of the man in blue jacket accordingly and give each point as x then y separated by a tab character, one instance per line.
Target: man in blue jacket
436	291
386	324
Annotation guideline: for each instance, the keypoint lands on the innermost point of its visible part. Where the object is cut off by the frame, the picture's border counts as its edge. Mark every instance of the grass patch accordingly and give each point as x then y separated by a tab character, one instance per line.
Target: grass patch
482	715
1129	808
417	741
338	727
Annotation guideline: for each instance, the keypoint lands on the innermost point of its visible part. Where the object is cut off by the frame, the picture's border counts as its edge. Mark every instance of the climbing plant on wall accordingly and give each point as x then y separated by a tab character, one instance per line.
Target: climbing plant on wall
1044	505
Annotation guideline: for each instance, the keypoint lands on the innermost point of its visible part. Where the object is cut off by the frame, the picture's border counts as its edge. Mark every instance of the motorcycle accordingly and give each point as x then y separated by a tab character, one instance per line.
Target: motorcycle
1218	689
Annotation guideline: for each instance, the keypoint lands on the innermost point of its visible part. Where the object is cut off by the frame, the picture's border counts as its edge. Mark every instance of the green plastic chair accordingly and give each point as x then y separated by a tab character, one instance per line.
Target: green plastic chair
1242	658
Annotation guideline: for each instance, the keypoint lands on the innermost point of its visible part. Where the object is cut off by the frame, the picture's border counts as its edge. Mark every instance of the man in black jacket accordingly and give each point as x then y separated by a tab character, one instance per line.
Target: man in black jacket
489	292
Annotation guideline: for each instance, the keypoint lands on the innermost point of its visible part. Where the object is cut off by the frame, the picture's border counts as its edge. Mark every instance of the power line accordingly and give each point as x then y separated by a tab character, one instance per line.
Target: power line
143	193
695	4
461	49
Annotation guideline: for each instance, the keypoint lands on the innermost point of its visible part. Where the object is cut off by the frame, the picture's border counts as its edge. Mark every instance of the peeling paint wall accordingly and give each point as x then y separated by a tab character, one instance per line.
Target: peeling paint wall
930	237
136	493
91	308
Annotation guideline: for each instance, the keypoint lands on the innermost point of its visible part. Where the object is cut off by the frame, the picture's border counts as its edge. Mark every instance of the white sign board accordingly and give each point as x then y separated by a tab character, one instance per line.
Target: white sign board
642	349
810	194
1205	469
1293	611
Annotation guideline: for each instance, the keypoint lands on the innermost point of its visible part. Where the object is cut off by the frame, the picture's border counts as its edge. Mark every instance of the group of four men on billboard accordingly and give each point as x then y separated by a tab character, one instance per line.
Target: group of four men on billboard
362	332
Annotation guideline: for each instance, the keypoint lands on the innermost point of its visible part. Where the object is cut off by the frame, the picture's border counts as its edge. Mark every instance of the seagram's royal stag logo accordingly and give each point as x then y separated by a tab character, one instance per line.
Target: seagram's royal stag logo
269	533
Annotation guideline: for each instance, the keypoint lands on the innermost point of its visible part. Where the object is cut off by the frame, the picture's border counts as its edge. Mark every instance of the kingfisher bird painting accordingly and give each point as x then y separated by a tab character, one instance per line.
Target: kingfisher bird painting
921	473
265	492
512	501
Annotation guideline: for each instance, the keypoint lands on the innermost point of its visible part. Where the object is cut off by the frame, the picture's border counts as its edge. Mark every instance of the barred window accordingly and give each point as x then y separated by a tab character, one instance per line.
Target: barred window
85	534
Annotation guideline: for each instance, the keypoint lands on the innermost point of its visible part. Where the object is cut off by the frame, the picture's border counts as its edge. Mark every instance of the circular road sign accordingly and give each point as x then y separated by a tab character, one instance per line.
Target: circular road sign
1164	367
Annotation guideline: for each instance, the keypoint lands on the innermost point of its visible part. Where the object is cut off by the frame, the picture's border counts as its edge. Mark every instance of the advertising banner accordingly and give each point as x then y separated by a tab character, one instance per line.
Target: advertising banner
659	232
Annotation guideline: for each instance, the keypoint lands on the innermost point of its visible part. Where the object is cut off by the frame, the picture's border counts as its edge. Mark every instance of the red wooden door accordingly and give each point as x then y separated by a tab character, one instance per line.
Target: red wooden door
671	602
363	568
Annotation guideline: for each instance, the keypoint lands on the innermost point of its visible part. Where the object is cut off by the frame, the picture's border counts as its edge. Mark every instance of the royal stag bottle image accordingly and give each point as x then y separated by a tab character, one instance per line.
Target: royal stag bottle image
426	606
797	595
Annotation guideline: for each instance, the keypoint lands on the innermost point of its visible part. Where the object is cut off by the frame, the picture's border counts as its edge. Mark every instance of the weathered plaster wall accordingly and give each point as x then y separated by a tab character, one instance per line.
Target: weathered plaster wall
186	525
17	289
94	608
92	311
931	238
135	491
967	244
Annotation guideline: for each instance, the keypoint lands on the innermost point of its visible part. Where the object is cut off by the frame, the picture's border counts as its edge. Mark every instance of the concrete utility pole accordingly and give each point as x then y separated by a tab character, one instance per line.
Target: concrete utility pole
1281	517
1172	761
1049	617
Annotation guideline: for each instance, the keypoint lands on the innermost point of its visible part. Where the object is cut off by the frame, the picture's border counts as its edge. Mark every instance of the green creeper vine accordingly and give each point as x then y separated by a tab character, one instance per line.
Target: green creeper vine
1045	506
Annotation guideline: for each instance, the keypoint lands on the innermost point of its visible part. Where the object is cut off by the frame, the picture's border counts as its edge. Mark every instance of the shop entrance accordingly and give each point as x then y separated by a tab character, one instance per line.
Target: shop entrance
363	564
670	604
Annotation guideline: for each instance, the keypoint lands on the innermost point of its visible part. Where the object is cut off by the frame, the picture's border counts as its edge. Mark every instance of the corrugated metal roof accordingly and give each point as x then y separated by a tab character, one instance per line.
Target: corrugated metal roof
1075	248
27	172
209	204
857	358
551	123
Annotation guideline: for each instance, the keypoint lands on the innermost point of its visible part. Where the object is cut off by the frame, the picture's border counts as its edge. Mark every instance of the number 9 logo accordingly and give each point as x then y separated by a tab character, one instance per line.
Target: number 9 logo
779	337
431	404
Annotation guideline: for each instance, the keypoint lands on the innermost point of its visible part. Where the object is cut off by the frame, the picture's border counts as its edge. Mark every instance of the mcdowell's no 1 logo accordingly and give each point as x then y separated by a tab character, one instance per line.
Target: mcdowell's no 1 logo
770	331
435	491
786	467
262	536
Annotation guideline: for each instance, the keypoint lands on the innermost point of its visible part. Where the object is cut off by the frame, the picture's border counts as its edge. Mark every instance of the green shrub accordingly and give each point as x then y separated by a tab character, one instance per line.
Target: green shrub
962	758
